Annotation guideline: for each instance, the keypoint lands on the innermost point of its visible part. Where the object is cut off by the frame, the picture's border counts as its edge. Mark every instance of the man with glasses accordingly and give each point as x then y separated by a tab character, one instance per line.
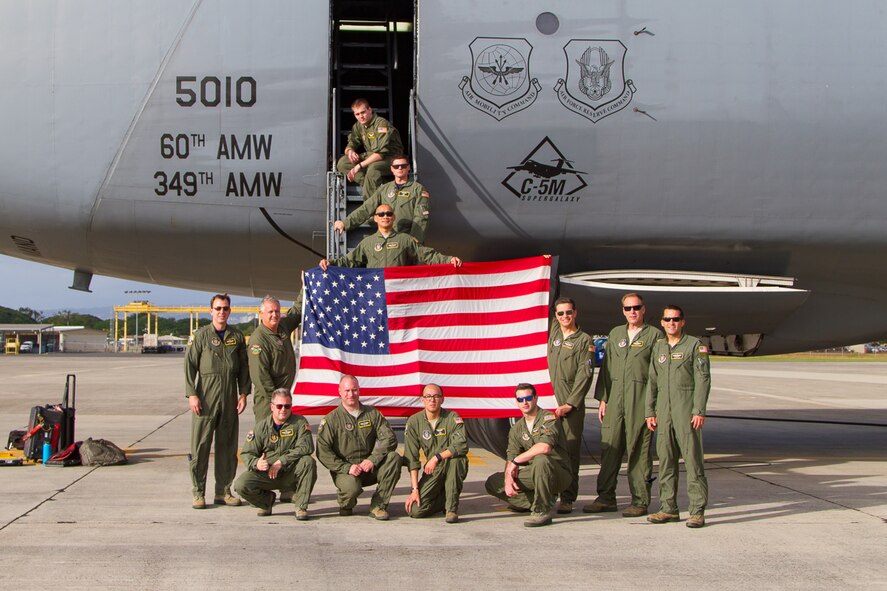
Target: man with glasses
440	434
358	447
389	248
677	394
408	198
272	362
216	371
537	466
277	454
622	391
570	358
371	144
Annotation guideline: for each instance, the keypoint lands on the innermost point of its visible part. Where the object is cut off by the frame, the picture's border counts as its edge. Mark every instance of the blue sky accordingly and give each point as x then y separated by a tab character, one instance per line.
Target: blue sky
42	287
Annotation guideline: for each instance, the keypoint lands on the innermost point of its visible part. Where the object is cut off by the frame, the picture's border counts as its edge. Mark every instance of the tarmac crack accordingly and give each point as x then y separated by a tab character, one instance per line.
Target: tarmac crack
82	476
806	494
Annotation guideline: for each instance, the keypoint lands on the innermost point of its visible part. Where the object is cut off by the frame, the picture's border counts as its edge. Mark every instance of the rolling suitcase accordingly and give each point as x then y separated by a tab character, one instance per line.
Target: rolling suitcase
53	423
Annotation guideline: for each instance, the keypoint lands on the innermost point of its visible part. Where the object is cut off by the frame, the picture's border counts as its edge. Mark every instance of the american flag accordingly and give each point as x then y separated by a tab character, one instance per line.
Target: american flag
477	330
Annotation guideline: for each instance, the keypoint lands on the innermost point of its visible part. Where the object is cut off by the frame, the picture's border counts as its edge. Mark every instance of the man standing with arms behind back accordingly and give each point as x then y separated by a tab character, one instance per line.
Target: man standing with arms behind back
215	373
677	394
622	391
272	362
570	353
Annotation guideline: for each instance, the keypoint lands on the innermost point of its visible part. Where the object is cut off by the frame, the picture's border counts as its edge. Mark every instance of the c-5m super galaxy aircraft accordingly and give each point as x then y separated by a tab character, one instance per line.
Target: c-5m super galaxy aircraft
727	156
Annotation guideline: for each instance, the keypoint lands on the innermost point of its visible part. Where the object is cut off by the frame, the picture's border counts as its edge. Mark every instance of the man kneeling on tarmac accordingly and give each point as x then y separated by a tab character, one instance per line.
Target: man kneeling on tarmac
538	468
278	457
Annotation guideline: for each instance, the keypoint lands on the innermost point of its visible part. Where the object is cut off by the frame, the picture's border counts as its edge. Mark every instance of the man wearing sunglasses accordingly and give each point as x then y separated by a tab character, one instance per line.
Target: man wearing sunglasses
408	198
440	434
216	384
622	391
537	466
570	358
389	248
677	393
371	144
277	454
358	447
272	362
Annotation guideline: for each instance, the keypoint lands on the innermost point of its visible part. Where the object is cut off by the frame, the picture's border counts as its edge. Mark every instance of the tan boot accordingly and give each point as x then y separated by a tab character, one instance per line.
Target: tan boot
635	511
198	503
452	517
663	517
301	514
599	506
379	514
538	520
696	521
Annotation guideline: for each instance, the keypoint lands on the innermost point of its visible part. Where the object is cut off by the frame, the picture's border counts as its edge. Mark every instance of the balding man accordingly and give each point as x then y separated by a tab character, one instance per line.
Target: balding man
440	434
272	361
358	447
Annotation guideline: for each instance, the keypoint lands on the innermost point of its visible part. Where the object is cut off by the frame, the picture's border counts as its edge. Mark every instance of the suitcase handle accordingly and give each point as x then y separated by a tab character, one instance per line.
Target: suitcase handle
70	388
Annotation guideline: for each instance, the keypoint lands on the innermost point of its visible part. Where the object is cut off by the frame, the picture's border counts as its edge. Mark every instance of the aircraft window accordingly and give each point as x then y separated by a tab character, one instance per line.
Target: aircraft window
547	23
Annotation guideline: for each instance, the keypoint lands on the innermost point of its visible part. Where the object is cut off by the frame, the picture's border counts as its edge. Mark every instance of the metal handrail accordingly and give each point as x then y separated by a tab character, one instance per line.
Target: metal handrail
412	130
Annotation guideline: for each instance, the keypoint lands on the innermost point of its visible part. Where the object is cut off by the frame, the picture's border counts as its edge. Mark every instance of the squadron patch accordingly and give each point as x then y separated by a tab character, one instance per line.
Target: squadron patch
274	438
320	426
426	435
216	342
662	358
191	340
255	350
623	343
250	436
349	426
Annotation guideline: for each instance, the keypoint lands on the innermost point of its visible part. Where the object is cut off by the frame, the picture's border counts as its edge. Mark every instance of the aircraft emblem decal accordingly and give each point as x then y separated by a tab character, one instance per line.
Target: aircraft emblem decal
545	175
595	85
500	84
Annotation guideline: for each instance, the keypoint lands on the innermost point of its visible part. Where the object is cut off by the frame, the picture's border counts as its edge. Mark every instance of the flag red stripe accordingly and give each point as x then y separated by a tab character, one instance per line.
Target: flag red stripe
493	292
468	319
408	411
387	370
488	268
493	343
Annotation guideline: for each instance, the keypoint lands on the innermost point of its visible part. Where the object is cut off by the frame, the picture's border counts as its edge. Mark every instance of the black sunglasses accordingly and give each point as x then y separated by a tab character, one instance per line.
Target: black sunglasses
671	319
384	214
630	308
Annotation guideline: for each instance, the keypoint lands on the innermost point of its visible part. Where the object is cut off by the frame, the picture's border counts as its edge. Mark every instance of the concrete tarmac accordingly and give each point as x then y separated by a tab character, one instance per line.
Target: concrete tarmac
795	459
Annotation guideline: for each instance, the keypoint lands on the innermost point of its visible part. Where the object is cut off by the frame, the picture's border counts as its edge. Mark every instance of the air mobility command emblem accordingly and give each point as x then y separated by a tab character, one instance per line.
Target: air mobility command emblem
525	436
377	247
662	358
426	435
595	85
623	343
499	83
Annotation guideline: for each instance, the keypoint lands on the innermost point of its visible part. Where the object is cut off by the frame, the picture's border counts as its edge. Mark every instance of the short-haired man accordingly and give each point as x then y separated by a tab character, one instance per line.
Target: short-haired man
358	447
277	454
677	394
216	384
371	144
440	434
408	198
389	248
537	467
272	362
622	391
570	358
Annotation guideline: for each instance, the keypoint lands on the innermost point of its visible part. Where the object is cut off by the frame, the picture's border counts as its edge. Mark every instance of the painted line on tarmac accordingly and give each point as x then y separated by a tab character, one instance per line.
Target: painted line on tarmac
778	397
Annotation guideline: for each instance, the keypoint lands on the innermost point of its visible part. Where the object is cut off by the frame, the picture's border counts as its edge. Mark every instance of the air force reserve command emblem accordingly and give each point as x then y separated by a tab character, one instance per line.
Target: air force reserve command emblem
595	85
500	84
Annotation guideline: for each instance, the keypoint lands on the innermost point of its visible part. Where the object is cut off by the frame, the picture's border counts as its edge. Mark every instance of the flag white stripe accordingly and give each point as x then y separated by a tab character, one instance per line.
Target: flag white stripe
445	333
491	279
494	356
326	376
440	307
545	402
